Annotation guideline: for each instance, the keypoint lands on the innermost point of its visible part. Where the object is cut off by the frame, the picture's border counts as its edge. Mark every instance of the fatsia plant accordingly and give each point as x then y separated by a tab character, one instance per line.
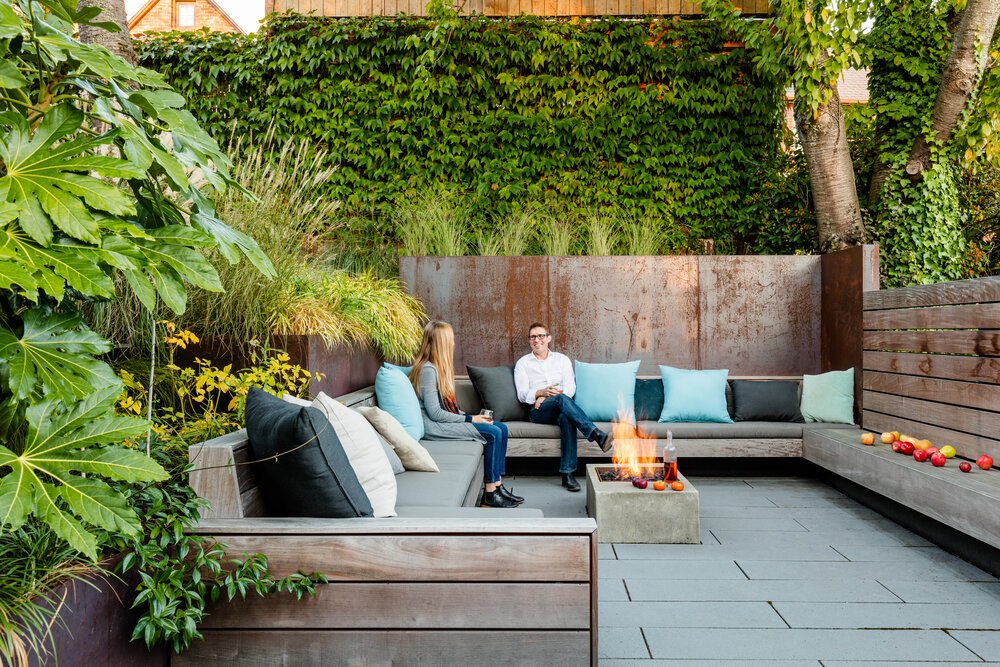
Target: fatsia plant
95	158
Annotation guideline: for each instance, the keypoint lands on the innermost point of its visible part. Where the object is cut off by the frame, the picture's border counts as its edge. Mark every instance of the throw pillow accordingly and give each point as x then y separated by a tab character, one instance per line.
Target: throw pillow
495	387
764	400
370	463
396	396
603	389
390	453
828	397
411	453
648	399
405	370
694	396
303	469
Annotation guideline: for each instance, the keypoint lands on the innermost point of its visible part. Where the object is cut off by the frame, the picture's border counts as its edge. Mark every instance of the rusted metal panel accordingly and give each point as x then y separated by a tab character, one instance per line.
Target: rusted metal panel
609	309
753	315
760	314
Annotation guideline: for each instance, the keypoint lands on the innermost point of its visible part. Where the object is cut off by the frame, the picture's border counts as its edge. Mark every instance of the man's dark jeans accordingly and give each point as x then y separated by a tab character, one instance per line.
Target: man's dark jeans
561	409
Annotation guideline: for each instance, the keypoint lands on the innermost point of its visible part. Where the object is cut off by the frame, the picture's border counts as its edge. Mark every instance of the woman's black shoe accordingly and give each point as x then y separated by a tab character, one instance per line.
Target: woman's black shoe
506	493
496	499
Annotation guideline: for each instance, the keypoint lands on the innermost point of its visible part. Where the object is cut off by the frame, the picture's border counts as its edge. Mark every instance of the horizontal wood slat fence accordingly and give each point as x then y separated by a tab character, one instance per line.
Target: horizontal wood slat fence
932	363
344	8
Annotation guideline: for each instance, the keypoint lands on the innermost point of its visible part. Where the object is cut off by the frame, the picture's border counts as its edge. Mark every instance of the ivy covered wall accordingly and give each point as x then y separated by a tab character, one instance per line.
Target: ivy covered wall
653	116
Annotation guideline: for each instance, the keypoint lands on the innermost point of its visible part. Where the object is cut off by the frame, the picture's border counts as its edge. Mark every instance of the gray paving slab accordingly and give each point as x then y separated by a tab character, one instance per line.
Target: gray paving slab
944	591
658	569
605	551
722	663
755	525
621	643
853	590
893	663
834	539
984	643
807	500
906	557
961	571
740	644
821	524
611	590
671	614
775	512
962	616
762	551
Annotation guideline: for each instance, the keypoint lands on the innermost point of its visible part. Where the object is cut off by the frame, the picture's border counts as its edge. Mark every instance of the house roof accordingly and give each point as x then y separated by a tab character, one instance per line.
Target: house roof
138	16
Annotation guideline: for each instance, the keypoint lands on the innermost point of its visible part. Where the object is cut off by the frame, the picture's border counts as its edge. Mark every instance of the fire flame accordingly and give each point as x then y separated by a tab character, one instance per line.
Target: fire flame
634	452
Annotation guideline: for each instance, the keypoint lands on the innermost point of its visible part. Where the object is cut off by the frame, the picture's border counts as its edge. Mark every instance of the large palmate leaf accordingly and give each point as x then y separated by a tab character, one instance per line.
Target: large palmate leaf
62	442
49	180
54	350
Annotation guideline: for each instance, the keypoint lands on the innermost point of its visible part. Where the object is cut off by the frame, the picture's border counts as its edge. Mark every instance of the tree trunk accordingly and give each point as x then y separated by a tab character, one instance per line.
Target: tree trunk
831	173
118	43
962	73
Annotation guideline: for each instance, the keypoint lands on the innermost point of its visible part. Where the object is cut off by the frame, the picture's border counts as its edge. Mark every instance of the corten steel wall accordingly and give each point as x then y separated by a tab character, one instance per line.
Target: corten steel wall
754	315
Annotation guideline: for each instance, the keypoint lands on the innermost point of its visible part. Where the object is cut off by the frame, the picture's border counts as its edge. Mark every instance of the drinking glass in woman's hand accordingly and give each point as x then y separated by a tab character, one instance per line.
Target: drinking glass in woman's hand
488	414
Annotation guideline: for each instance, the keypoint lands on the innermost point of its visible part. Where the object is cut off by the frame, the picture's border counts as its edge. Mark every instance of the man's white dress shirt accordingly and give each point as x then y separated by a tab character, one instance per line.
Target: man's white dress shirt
532	374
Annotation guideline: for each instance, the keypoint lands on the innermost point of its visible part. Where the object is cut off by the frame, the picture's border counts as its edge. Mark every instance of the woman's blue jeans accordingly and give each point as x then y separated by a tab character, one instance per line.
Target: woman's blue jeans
563	410
494	451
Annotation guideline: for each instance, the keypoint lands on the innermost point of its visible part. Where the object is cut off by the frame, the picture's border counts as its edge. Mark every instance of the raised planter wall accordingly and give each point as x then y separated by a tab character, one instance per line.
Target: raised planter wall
754	315
345	369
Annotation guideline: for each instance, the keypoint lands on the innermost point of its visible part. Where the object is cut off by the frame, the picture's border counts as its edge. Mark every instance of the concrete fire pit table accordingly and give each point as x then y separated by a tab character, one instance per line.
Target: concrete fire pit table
626	514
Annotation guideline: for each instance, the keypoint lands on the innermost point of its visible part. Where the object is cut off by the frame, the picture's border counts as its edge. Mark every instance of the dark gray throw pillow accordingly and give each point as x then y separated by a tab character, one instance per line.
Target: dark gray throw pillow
648	399
495	387
766	400
315	479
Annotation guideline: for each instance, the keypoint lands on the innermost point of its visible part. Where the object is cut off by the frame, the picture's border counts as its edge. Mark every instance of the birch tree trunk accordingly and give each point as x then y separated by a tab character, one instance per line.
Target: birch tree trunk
118	43
824	141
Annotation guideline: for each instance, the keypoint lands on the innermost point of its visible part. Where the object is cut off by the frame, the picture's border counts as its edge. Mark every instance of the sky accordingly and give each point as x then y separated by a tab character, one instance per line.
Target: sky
247	13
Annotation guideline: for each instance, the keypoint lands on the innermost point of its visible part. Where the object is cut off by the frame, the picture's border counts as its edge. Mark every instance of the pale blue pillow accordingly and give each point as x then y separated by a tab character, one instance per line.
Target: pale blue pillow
694	396
602	389
396	396
405	370
828	397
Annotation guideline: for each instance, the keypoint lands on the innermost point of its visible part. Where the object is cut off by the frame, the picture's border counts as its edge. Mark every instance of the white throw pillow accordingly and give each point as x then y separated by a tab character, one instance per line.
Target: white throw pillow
360	442
411	453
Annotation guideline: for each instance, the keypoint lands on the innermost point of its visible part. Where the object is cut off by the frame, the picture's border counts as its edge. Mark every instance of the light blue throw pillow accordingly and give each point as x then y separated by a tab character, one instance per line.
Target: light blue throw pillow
602	389
828	397
396	396
405	370
694	396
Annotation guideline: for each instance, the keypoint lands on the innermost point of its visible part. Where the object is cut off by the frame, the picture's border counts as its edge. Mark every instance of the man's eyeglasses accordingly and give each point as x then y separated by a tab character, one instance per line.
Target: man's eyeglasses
538	337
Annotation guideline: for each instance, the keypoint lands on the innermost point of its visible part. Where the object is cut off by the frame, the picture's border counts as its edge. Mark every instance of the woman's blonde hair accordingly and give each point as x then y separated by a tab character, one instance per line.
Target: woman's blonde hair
437	347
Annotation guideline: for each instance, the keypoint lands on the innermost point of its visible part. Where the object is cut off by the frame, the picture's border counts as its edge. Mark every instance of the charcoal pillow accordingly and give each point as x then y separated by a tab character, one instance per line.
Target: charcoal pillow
495	387
314	479
648	399
766	400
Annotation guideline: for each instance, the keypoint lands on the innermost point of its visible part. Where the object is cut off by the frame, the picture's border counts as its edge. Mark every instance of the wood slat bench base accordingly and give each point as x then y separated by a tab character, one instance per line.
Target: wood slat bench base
709	447
331	648
968	502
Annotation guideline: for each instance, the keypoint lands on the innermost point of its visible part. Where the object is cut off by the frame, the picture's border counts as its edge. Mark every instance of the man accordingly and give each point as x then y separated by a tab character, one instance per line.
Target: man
544	379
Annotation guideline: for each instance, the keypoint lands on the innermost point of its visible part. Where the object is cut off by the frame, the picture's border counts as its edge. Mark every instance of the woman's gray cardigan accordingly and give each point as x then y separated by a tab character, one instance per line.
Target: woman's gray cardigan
439	424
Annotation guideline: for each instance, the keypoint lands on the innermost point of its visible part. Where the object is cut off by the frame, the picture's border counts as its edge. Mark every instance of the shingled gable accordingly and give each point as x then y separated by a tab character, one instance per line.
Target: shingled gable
211	5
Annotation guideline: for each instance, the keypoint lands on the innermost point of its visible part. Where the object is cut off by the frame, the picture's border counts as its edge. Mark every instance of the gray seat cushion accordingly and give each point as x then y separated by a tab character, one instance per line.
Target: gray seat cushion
529	430
694	430
444	447
446	488
469	512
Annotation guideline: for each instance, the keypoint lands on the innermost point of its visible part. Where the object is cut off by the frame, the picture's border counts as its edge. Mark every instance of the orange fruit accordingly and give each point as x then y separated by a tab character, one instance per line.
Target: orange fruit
888	438
677	486
659	485
867	438
922	444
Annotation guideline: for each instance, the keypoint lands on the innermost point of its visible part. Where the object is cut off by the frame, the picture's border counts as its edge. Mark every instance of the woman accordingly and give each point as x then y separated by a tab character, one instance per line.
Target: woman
433	378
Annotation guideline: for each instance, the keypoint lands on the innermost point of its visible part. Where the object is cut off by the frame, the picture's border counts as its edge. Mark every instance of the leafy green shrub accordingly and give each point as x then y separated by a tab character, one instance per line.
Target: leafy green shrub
648	115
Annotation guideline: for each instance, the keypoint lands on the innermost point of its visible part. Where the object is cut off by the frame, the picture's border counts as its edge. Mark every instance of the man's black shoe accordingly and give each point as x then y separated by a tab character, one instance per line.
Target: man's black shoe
496	499
570	482
602	439
506	493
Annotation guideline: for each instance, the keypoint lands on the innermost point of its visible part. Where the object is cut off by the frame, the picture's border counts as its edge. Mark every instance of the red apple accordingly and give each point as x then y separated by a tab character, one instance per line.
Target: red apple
965	466
931	451
897	446
921	455
938	459
906	448
985	462
642	483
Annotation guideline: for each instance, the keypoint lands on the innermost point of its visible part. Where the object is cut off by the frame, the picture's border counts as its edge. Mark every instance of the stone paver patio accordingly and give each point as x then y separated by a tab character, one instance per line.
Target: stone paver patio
790	572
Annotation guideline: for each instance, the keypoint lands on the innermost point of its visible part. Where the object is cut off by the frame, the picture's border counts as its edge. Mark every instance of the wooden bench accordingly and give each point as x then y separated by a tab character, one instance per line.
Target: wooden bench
402	590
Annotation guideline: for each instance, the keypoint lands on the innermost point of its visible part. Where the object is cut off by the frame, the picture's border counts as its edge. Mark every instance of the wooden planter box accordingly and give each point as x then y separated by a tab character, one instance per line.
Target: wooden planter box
345	369
95	626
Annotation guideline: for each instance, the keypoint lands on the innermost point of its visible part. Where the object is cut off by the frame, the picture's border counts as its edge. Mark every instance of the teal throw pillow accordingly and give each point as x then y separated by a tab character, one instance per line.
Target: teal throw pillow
828	397
405	370
694	396
396	396
602	389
